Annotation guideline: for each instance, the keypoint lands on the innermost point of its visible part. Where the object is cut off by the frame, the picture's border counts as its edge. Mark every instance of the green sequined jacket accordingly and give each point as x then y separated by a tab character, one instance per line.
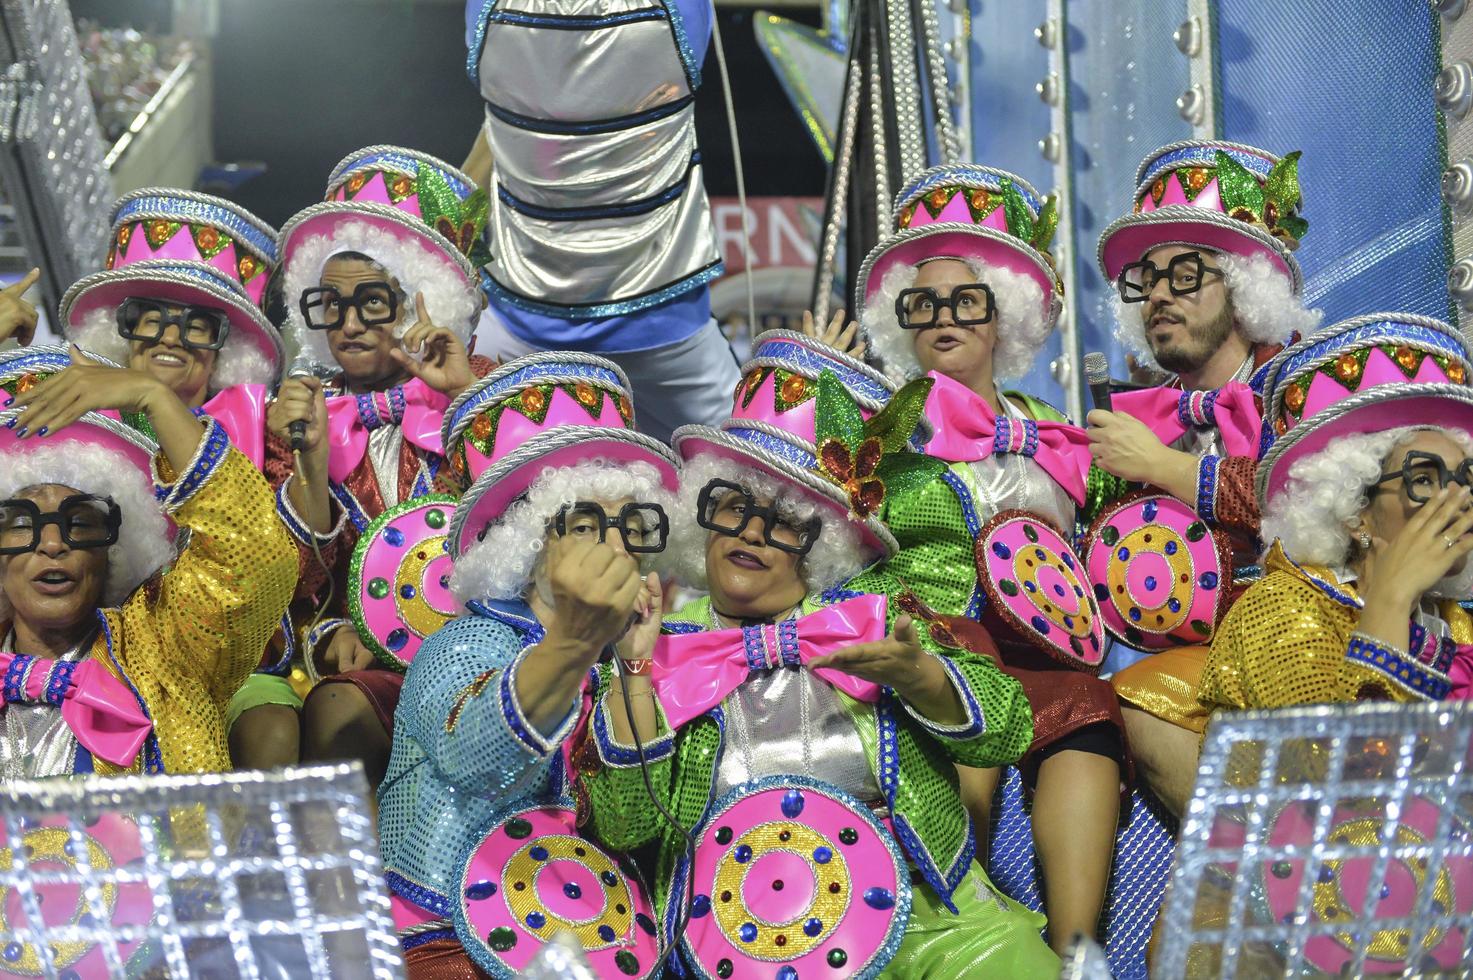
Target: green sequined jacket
913	762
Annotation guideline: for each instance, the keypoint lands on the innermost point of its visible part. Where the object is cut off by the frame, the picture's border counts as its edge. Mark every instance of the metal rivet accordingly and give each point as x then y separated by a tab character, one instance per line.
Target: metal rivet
1451	9
1460	281
1048	89
1453	89
958	93
956	47
1457	185
1062	370
1188	37
1047	33
1050	146
1192	104
958	6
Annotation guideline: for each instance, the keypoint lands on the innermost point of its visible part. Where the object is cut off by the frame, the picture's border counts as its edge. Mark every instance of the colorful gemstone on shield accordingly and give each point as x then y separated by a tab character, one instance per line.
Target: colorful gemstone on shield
792	804
1196	531
1208	580
742	854
879	898
723	969
794	388
1109	534
1171	547
723	835
700	906
501	939
627	962
1455	373
822	855
606	933
837	958
396	639
394	537
481	890
518	828
406	591
378	587
1031	533
538	853
648	924
536	920
848	836
1001	550
1123	554
748	932
1149	510
812	927
787	972
12	952
573	890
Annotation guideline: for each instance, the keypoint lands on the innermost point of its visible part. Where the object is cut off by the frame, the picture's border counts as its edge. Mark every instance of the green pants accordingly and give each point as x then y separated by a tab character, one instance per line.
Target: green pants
991	936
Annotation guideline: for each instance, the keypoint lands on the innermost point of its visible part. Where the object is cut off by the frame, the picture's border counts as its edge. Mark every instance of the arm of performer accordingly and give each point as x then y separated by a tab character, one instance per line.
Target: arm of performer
477	165
303	400
18	316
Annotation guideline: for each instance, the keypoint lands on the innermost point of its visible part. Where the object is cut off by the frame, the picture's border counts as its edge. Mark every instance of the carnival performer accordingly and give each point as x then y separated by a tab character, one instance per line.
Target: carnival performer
967	294
1365	497
18	316
600	229
122	654
181	299
784	680
380	296
1208	289
551	544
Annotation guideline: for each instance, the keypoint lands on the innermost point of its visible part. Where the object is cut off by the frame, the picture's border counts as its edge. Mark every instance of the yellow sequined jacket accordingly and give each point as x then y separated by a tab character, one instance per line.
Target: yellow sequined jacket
190	636
1287	641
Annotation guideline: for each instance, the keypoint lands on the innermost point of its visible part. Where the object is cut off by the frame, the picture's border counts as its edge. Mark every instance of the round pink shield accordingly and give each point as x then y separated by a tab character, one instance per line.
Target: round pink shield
110	844
399	580
1341	886
1159	572
531	877
792	872
1036	586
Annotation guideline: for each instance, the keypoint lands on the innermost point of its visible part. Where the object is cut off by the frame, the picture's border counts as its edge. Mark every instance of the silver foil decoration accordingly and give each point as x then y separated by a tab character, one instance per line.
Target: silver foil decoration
1326	840
250	874
1085	961
560	959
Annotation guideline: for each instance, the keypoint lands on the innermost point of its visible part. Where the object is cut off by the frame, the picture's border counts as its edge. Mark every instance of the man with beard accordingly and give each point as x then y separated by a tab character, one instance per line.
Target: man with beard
1209	290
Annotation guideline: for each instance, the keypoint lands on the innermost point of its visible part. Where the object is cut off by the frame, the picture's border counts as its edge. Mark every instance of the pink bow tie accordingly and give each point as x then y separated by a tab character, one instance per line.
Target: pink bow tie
99	709
694	672
1171	413
241	411
415	407
967	431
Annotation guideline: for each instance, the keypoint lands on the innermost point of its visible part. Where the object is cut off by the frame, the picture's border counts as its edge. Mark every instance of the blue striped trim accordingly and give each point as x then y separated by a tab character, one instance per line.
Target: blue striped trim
25	361
407	943
402	163
623	307
541	373
356	515
296	528
1207	488
153	756
613	124
201	213
1414	677
964	176
976	723
974	529
787	643
425	898
810	363
780	448
14	685
1384	331
754	647
1205	156
59	682
207	459
617	756
571	22
643	206
688	58
511	713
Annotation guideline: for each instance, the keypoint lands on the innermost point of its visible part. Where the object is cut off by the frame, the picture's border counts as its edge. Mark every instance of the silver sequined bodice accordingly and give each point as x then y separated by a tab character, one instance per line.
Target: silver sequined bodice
1009	482
34	740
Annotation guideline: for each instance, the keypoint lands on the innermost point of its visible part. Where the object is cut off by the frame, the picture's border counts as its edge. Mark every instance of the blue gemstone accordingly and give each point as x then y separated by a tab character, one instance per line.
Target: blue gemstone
1150	583
1174	604
538	852
743	854
1040	554
608	878
1040	624
444	581
822	855
536	920
1170	548
813	927
1001	550
1102	592
394	537
1327	875
748	932
1078	592
68	975
1385	891
480	890
1123	554
1135	614
1030	586
607	933
406	591
572	890
12	952
1068	622
1208	580
1058	588
792	804
1149	510
879	898
648	924
396	639
1094	642
787	973
1067	559
699	906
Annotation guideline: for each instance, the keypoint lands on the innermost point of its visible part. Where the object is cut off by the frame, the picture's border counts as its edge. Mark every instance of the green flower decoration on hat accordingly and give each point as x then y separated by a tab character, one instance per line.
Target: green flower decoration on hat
462	222
1274	203
871	460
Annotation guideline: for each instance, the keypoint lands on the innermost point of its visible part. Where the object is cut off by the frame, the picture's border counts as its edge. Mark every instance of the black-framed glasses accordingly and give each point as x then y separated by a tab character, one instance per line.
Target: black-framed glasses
84	521
325	308
727	508
972	304
1423	475
1185	274
200	327
644	527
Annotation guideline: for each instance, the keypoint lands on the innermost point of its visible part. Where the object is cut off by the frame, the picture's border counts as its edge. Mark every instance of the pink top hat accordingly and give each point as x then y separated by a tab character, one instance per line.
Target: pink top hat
173	281
966	211
1226	197
1368	374
773	426
169	223
539	412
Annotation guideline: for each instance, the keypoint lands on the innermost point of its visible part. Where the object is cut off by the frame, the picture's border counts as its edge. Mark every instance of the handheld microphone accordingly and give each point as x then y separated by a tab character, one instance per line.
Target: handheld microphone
1097	376
297	431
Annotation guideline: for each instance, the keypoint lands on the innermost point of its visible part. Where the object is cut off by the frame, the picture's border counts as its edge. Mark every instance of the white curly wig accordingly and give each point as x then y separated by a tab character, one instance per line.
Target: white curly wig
501	564
1021	327
239	362
143	538
449	300
837	556
1264	306
1314	514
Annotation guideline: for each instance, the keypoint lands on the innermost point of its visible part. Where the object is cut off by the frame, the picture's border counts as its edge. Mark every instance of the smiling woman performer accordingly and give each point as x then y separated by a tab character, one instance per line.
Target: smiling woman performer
141	676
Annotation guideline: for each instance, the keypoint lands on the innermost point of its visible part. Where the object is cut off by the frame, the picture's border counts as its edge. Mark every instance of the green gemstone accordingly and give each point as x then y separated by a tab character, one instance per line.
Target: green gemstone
517	828
435	518
1031	533
501	939
378	588
1201	628
627	962
1109	535
1196	531
1008	586
837	958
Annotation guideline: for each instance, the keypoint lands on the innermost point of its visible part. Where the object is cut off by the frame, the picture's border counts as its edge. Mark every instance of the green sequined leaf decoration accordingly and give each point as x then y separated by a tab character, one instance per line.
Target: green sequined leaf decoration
436	199
1294	225
1282	185
476	208
1020	219
896	422
906	473
1240	190
836	414
1048	223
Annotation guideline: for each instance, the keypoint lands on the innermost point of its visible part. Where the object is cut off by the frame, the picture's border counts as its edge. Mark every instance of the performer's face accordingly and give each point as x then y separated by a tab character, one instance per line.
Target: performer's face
184	370
1393	506
962	353
1184	331
362	350
54	587
748	578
